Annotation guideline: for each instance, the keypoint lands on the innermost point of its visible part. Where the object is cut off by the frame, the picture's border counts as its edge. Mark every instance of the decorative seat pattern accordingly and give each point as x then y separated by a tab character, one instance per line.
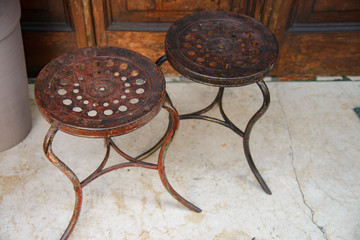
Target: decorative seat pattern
221	48
100	92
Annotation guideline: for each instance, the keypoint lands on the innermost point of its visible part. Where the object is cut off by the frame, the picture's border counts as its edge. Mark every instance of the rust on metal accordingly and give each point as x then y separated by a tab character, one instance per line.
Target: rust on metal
100	91
221	48
104	92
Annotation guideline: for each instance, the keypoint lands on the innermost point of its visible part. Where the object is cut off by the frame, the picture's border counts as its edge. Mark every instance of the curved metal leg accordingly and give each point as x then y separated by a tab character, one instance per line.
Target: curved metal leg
47	146
257	115
174	121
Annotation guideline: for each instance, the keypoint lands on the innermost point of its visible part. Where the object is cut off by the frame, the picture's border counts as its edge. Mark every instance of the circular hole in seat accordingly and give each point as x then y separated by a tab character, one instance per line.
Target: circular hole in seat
61	92
63	82
140	90
110	63
108	112
77	109
140	81
92	113
134	73
122	108
123	66
134	100
67	102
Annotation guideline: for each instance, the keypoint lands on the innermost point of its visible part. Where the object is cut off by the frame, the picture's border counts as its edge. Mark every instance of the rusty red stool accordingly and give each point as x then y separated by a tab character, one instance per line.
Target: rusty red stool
223	49
103	92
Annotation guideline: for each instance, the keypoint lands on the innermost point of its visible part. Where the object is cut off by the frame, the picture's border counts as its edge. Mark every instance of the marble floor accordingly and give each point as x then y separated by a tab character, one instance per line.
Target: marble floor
306	147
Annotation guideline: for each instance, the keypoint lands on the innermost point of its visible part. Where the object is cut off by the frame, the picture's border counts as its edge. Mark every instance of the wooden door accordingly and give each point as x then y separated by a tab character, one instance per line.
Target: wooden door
317	37
140	25
51	28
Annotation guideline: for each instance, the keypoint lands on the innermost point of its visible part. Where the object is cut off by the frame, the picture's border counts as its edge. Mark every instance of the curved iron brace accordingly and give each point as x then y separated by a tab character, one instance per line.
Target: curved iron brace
218	100
101	166
129	158
133	162
206	109
227	120
47	146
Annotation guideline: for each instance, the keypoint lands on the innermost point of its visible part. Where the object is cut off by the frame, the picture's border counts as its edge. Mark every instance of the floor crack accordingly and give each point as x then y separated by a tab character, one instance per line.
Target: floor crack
322	229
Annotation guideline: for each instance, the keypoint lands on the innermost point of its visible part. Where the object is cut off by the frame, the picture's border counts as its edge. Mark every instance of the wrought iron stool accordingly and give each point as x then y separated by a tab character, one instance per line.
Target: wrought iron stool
103	92
223	49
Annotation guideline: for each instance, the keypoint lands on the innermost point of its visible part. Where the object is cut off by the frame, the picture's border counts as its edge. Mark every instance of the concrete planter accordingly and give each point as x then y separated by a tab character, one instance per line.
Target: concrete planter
15	116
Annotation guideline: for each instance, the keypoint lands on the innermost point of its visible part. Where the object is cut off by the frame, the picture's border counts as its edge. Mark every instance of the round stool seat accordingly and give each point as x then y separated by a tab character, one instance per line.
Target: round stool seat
221	48
100	91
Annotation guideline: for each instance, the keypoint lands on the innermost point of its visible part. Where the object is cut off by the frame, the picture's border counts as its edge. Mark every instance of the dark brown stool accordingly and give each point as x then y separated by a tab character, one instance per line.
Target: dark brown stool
223	49
103	92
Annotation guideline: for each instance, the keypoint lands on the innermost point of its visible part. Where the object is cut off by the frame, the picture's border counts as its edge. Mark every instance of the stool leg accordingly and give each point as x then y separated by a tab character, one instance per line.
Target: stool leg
174	122
47	146
257	115
161	60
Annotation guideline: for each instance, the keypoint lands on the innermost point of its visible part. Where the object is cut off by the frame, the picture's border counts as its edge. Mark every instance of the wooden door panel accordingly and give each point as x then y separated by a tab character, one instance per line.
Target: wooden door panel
321	12
149	44
328	11
344	5
51	28
176	5
159	11
317	37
